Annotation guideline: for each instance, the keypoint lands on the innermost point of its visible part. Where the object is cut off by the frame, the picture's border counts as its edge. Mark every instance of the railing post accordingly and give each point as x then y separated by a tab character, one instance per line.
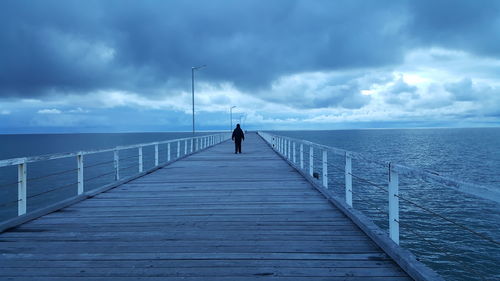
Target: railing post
301	156
117	164
140	159
348	179
192	140
186	147
311	160
21	189
284	147
289	156
274	143
293	147
196	145
79	161
178	149
168	151
156	155
325	169
393	205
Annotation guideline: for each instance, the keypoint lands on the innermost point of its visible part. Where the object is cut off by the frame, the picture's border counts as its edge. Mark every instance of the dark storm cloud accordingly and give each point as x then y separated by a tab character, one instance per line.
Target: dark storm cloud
54	46
80	46
468	25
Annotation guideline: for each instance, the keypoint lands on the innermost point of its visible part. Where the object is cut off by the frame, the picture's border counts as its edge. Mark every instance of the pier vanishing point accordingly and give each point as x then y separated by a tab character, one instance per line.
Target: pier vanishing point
209	216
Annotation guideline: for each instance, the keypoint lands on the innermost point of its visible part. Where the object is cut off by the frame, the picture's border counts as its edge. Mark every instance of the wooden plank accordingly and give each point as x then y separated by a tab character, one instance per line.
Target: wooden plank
258	277
157	263
209	271
379	256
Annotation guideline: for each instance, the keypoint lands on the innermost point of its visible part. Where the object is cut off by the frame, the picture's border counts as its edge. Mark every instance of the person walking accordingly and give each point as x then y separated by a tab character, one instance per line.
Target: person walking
238	136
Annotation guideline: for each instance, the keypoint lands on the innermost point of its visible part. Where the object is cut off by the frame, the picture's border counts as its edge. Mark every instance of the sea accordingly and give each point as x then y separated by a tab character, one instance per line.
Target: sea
455	234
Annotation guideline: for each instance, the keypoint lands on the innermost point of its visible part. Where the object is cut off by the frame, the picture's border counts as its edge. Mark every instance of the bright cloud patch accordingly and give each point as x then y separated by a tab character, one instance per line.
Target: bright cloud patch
49	111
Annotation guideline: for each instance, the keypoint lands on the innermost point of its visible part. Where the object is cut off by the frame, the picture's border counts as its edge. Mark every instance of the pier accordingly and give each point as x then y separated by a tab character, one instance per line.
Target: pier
211	215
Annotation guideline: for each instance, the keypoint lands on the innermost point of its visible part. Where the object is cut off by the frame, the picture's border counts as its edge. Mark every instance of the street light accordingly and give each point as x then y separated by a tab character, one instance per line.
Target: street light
192	86
231	116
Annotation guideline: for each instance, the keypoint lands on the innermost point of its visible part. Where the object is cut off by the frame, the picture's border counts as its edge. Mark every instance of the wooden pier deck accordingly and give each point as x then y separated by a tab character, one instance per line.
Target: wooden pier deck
213	216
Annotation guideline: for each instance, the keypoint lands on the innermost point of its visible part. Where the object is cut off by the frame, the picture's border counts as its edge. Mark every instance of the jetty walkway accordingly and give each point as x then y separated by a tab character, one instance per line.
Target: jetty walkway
212	216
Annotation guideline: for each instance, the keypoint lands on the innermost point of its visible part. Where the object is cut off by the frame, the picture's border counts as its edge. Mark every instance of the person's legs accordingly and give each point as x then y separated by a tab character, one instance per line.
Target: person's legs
235	146
238	146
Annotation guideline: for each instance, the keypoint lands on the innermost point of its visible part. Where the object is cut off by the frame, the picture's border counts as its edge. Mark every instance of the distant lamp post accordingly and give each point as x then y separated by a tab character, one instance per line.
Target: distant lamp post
231	117
192	86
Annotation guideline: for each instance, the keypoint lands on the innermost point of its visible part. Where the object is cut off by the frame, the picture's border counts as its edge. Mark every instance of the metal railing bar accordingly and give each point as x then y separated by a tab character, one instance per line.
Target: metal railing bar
382	212
98	164
338	151
356	176
369	182
128	157
10	183
128	167
101	175
443	250
53	174
8	203
51	190
449	220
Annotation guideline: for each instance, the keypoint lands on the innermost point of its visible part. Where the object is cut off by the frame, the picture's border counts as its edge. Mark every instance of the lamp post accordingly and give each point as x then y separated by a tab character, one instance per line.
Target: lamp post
243	118
192	86
231	117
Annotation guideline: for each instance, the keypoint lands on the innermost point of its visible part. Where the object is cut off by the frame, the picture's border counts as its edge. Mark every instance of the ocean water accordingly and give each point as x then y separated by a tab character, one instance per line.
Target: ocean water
471	155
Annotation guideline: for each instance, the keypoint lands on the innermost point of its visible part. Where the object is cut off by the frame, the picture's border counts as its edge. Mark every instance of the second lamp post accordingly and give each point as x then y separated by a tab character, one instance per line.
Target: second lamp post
192	86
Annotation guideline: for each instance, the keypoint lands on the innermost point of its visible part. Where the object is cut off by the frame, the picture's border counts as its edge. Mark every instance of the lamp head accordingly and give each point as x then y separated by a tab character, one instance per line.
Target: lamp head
198	67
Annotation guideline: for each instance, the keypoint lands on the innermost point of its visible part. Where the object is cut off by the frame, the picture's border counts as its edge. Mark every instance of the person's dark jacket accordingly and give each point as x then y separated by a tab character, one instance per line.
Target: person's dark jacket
238	134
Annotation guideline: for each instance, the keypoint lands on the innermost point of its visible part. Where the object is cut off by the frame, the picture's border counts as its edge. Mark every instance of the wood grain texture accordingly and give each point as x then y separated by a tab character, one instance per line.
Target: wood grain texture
211	216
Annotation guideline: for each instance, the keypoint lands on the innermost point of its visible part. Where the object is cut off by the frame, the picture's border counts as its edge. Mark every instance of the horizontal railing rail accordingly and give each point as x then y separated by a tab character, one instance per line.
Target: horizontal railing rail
289	147
182	147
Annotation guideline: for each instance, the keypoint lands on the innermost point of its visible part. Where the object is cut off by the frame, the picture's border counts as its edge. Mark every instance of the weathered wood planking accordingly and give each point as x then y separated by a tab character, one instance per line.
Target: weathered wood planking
212	216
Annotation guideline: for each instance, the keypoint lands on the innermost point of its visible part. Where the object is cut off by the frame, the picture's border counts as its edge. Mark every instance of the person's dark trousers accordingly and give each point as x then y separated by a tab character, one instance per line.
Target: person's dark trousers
237	146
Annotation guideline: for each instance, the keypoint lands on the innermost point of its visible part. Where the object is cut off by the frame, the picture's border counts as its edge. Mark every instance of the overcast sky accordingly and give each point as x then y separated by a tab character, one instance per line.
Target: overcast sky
104	66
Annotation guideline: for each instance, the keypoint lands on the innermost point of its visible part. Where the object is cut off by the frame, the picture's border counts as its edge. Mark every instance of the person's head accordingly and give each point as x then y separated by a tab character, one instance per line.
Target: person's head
237	125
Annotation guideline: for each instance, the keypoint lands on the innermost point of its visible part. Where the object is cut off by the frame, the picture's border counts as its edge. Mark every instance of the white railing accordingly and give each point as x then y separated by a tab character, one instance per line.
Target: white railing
195	143
287	148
